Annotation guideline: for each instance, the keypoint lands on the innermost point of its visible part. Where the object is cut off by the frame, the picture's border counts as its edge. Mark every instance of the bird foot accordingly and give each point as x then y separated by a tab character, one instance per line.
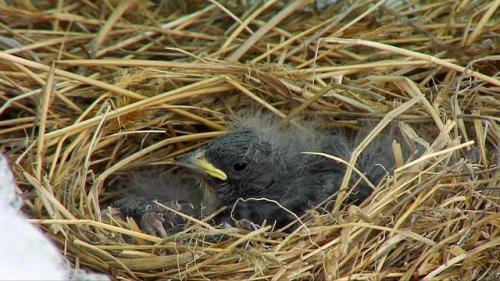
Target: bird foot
225	225
247	224
242	223
150	222
156	220
110	212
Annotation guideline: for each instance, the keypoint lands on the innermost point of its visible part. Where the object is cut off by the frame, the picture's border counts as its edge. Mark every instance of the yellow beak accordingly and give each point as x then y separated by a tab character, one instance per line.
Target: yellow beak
198	159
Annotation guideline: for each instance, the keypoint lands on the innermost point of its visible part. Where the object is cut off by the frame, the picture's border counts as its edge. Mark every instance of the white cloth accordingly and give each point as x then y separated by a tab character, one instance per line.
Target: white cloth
25	252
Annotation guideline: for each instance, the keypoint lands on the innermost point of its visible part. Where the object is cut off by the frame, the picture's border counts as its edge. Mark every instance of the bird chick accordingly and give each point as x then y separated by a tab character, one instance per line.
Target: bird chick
258	169
260	172
179	191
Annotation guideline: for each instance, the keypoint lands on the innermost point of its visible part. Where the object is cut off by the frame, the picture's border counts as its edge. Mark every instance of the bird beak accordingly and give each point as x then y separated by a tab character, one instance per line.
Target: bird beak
198	159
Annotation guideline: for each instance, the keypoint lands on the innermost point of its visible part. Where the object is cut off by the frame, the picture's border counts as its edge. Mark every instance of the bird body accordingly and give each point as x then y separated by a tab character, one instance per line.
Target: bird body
259	169
260	172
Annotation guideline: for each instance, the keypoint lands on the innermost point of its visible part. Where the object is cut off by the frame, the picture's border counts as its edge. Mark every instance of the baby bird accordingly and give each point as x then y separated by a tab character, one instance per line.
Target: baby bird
259	171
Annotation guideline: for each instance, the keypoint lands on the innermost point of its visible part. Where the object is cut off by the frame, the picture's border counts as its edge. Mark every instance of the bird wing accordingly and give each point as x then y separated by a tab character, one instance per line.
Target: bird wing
165	187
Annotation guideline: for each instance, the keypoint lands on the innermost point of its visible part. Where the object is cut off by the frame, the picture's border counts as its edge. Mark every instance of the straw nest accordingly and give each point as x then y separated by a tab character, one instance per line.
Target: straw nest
94	89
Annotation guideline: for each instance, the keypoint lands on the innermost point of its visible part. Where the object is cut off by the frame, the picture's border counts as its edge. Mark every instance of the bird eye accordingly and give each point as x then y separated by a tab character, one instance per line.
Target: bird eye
240	166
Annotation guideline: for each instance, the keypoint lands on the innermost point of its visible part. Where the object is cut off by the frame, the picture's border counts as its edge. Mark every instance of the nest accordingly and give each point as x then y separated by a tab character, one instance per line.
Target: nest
94	89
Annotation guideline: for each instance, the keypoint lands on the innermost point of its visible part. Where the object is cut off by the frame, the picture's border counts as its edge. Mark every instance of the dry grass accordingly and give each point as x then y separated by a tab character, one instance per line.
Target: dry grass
94	88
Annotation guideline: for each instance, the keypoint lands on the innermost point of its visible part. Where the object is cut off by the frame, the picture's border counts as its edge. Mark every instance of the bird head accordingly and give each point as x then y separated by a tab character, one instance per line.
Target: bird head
259	157
237	157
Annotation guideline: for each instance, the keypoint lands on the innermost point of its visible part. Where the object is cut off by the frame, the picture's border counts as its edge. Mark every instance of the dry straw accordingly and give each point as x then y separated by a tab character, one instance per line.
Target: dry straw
92	89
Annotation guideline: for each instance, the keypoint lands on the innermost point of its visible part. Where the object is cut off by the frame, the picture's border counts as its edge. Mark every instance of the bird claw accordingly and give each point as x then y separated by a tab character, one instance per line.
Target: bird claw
110	212
247	224
225	225
152	223
156	218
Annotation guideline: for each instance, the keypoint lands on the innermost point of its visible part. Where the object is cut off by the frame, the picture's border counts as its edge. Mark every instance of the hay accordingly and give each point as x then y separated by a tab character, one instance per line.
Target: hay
93	89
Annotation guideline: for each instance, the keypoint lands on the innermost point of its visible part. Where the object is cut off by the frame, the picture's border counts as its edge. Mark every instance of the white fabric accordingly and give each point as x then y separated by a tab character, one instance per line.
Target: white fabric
25	252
